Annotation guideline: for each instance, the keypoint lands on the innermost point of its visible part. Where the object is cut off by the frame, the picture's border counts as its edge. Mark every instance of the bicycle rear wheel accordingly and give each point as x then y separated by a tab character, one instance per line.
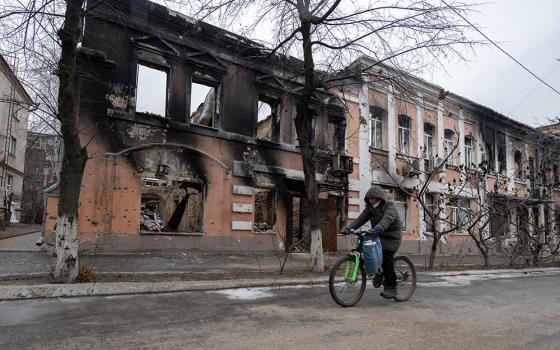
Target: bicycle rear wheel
406	278
347	282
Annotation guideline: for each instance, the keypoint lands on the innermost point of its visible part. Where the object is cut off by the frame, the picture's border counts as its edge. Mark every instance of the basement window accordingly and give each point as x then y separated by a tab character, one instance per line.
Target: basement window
265	210
268	118
151	90
205	101
171	206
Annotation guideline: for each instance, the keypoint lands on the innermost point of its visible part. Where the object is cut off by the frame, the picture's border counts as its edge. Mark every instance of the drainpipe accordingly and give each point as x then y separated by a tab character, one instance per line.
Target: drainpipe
48	191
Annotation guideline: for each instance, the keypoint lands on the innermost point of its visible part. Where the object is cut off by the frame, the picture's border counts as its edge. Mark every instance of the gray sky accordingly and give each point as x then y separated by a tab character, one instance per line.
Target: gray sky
528	30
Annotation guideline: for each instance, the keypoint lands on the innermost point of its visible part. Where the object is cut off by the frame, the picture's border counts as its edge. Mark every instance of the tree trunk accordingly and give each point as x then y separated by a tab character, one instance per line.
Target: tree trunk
433	251
75	156
304	128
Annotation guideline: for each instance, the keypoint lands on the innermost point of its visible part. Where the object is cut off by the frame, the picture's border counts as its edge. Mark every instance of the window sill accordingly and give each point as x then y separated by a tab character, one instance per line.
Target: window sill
268	233
379	151
150	233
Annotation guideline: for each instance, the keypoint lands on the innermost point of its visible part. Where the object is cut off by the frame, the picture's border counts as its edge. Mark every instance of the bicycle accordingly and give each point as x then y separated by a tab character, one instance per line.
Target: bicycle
348	275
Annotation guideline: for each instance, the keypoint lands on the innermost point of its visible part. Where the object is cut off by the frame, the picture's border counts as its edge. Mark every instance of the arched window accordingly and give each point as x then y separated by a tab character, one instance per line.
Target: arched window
404	134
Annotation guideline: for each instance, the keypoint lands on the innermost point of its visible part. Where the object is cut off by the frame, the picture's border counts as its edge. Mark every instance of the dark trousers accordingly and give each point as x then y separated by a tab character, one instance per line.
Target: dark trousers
388	266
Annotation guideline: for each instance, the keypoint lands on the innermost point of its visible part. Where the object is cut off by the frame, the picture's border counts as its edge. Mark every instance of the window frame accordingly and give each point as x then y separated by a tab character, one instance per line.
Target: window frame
428	152
13	146
404	134
448	136
468	152
376	138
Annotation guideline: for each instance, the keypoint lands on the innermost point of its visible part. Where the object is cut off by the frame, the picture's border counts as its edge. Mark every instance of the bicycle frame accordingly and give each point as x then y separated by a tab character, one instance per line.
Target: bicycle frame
357	254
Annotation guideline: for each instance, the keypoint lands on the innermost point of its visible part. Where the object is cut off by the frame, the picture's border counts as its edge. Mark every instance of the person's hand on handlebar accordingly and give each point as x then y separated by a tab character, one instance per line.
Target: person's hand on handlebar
346	231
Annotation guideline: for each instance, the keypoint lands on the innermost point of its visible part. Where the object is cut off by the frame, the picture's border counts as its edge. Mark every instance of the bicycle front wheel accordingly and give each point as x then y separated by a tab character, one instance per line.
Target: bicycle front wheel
406	278
347	281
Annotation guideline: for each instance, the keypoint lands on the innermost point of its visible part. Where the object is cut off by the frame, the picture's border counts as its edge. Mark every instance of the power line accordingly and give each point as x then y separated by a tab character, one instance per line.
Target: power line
534	88
498	46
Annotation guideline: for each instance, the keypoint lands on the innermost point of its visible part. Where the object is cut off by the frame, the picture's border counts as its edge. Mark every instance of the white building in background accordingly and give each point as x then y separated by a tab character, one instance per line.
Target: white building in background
14	111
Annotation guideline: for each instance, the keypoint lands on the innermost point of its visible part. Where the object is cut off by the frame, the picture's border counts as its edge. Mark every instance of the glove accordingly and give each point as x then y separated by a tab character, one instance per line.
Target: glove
346	231
377	230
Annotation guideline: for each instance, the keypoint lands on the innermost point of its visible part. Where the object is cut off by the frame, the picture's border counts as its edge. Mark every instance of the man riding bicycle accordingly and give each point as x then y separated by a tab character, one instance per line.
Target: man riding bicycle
386	224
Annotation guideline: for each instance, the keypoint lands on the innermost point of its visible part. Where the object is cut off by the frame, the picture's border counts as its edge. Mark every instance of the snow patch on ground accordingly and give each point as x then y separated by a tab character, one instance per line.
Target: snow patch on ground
246	293
465	280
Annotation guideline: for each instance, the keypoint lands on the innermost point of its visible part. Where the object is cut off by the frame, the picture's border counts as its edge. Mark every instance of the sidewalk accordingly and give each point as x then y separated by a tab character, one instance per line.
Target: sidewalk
14	230
25	264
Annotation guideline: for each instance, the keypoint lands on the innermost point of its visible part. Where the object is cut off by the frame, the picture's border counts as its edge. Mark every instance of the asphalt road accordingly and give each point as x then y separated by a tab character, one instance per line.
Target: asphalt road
453	313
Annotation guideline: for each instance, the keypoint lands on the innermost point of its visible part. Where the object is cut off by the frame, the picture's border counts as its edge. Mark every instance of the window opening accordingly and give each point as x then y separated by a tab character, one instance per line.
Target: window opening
468	152
151	90
428	141
13	146
376	117
400	198
449	145
267	118
501	141
429	203
518	159
265	210
404	134
205	97
171	206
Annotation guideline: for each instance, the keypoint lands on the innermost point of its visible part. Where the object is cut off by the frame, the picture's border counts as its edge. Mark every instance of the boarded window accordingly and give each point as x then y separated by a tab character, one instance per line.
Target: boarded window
205	98
265	210
151	91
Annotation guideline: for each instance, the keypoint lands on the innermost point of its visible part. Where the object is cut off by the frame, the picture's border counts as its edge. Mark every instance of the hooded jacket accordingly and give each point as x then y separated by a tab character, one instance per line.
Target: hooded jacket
384	216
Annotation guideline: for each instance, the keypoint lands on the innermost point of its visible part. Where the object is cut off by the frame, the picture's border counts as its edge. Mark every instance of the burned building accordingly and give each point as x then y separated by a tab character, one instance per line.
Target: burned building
191	137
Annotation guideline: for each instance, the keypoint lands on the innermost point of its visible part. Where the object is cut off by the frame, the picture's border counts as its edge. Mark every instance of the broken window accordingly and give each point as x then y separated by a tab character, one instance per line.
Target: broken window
501	142
489	143
335	134
268	109
151	90
404	134
532	168
376	117
468	152
265	210
449	146
205	101
518	158
171	206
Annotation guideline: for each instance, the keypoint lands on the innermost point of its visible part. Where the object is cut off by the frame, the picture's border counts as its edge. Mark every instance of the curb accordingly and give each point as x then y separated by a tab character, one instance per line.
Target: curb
20	234
17	292
128	288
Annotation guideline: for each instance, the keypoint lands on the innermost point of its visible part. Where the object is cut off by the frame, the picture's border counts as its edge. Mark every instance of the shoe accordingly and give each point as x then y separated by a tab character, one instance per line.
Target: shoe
389	292
377	280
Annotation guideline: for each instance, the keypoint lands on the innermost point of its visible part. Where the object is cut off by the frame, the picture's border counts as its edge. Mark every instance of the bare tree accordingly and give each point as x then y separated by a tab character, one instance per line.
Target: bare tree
328	35
45	34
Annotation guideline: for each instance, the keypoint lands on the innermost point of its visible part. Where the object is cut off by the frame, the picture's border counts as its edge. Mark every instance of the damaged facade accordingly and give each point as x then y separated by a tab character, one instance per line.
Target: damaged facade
194	144
404	134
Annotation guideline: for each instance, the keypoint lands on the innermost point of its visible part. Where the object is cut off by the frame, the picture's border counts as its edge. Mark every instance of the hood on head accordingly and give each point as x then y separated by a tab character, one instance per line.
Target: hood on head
375	192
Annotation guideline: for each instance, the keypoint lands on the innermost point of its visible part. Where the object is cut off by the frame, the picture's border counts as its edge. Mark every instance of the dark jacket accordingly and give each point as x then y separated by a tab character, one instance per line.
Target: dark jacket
385	216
